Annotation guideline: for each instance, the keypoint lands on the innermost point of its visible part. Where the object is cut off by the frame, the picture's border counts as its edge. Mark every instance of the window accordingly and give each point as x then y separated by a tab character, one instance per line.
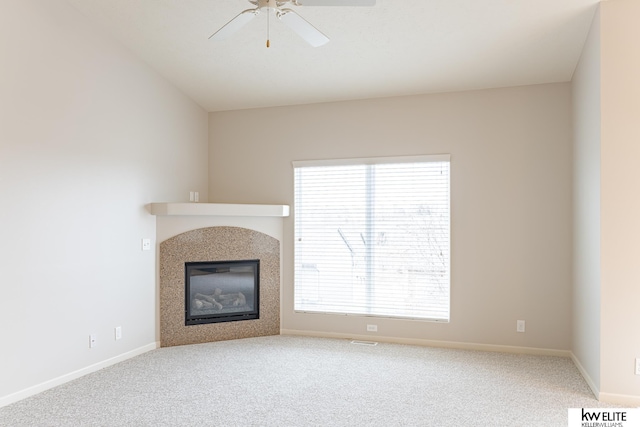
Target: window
372	237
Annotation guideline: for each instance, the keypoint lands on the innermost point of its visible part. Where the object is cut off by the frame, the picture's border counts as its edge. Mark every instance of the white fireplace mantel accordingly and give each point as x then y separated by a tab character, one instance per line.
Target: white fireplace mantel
218	209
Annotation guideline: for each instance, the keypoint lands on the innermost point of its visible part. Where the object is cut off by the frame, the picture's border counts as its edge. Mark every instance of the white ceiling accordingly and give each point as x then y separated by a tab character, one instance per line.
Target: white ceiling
398	47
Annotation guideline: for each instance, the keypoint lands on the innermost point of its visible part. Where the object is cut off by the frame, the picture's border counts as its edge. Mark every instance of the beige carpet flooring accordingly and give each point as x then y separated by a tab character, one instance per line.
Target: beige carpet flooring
299	381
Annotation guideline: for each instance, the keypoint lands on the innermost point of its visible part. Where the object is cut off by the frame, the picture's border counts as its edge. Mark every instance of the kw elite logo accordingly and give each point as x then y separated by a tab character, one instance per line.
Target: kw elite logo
604	417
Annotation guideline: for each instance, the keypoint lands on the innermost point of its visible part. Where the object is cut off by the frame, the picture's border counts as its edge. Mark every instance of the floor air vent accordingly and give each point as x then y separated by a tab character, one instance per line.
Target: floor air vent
370	343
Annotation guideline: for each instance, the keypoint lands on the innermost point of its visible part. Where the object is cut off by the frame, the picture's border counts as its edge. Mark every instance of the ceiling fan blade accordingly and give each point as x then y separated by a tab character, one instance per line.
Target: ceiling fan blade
336	2
235	24
303	28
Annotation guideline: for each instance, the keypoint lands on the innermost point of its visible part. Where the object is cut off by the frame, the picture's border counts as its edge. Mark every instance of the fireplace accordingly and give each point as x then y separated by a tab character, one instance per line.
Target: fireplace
208	245
221	291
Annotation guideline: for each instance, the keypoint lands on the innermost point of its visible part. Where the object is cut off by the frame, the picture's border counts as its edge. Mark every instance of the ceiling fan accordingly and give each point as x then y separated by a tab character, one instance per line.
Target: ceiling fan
297	23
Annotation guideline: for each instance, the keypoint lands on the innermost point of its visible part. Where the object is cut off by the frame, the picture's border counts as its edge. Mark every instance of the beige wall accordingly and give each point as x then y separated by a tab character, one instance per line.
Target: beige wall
606	105
620	209
586	218
511	198
88	137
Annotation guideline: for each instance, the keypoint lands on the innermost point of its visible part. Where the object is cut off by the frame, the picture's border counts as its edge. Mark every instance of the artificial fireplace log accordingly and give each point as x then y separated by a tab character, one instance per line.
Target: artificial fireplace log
218	300
201	301
234	299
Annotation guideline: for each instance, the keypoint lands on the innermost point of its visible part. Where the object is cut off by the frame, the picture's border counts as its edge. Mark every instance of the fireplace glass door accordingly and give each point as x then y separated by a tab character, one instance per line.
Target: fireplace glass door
221	291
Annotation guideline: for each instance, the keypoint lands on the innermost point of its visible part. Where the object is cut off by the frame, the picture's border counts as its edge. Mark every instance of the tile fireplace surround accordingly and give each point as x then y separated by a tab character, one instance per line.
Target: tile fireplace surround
215	243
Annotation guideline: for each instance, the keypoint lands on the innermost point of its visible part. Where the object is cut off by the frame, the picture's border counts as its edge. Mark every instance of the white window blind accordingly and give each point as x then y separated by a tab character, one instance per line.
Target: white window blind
372	237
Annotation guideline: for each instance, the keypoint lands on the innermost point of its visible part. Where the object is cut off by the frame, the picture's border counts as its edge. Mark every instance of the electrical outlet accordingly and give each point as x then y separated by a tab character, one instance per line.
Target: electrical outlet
118	332
372	328
637	365
520	326
92	340
146	244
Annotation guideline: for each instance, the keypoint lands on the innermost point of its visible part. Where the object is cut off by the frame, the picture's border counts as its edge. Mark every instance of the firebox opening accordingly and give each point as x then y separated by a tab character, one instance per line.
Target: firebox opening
221	291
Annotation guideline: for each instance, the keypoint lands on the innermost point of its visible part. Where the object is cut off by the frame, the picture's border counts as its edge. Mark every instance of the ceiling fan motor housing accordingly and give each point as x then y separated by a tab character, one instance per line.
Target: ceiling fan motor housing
268	4
298	24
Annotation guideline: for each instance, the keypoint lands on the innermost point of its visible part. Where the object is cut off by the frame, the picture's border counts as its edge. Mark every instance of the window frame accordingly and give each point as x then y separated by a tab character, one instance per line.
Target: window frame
378	161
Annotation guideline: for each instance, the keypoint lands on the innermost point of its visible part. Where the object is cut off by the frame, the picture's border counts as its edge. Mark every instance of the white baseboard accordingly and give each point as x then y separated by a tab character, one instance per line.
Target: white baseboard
586	376
433	343
628	401
39	388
